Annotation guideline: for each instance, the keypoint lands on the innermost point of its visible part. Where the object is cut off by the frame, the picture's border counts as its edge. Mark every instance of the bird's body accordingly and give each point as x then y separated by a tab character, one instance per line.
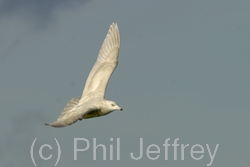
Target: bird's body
92	103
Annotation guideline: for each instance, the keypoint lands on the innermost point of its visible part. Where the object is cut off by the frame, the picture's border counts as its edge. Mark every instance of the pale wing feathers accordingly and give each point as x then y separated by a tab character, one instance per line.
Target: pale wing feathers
106	63
70	106
73	112
68	115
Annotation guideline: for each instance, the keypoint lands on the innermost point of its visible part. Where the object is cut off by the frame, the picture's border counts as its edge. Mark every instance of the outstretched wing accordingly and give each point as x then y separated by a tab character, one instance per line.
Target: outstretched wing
106	63
70	106
73	112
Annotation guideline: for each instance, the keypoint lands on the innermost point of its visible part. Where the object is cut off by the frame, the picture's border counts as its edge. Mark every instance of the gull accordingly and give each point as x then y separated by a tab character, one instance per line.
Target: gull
92	102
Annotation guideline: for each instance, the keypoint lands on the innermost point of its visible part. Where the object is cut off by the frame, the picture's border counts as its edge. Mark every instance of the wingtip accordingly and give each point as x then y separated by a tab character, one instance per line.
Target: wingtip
114	24
46	124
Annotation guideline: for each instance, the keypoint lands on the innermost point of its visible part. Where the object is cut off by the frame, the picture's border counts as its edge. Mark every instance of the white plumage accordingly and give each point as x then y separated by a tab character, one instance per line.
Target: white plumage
92	103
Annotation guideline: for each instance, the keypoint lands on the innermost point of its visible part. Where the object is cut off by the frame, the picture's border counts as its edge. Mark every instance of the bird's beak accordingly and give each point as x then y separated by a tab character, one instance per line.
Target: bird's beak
121	109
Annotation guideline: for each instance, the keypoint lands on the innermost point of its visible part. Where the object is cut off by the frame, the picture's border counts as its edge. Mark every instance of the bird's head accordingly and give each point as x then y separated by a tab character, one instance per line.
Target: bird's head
112	106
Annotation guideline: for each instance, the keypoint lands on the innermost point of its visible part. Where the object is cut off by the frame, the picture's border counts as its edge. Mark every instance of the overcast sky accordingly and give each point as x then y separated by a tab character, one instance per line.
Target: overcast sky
183	73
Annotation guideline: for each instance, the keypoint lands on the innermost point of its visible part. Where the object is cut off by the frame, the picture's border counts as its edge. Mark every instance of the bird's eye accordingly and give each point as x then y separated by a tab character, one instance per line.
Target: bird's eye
113	104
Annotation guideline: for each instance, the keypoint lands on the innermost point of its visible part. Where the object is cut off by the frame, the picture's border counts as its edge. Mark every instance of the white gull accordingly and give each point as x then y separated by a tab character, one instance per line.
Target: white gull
92	103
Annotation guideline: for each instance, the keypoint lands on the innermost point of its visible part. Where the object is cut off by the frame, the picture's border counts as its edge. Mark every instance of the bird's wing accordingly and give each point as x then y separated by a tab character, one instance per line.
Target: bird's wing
73	112
70	106
104	66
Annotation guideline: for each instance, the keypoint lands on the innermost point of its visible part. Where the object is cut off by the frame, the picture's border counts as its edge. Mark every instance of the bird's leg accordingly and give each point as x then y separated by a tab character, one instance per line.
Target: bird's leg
81	117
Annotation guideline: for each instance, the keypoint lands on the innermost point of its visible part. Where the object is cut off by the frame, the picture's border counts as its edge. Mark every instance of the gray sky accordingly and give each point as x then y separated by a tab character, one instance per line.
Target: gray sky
183	73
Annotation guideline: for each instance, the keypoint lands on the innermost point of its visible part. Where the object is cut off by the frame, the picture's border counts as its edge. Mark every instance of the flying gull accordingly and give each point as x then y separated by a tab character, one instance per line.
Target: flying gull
92	103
